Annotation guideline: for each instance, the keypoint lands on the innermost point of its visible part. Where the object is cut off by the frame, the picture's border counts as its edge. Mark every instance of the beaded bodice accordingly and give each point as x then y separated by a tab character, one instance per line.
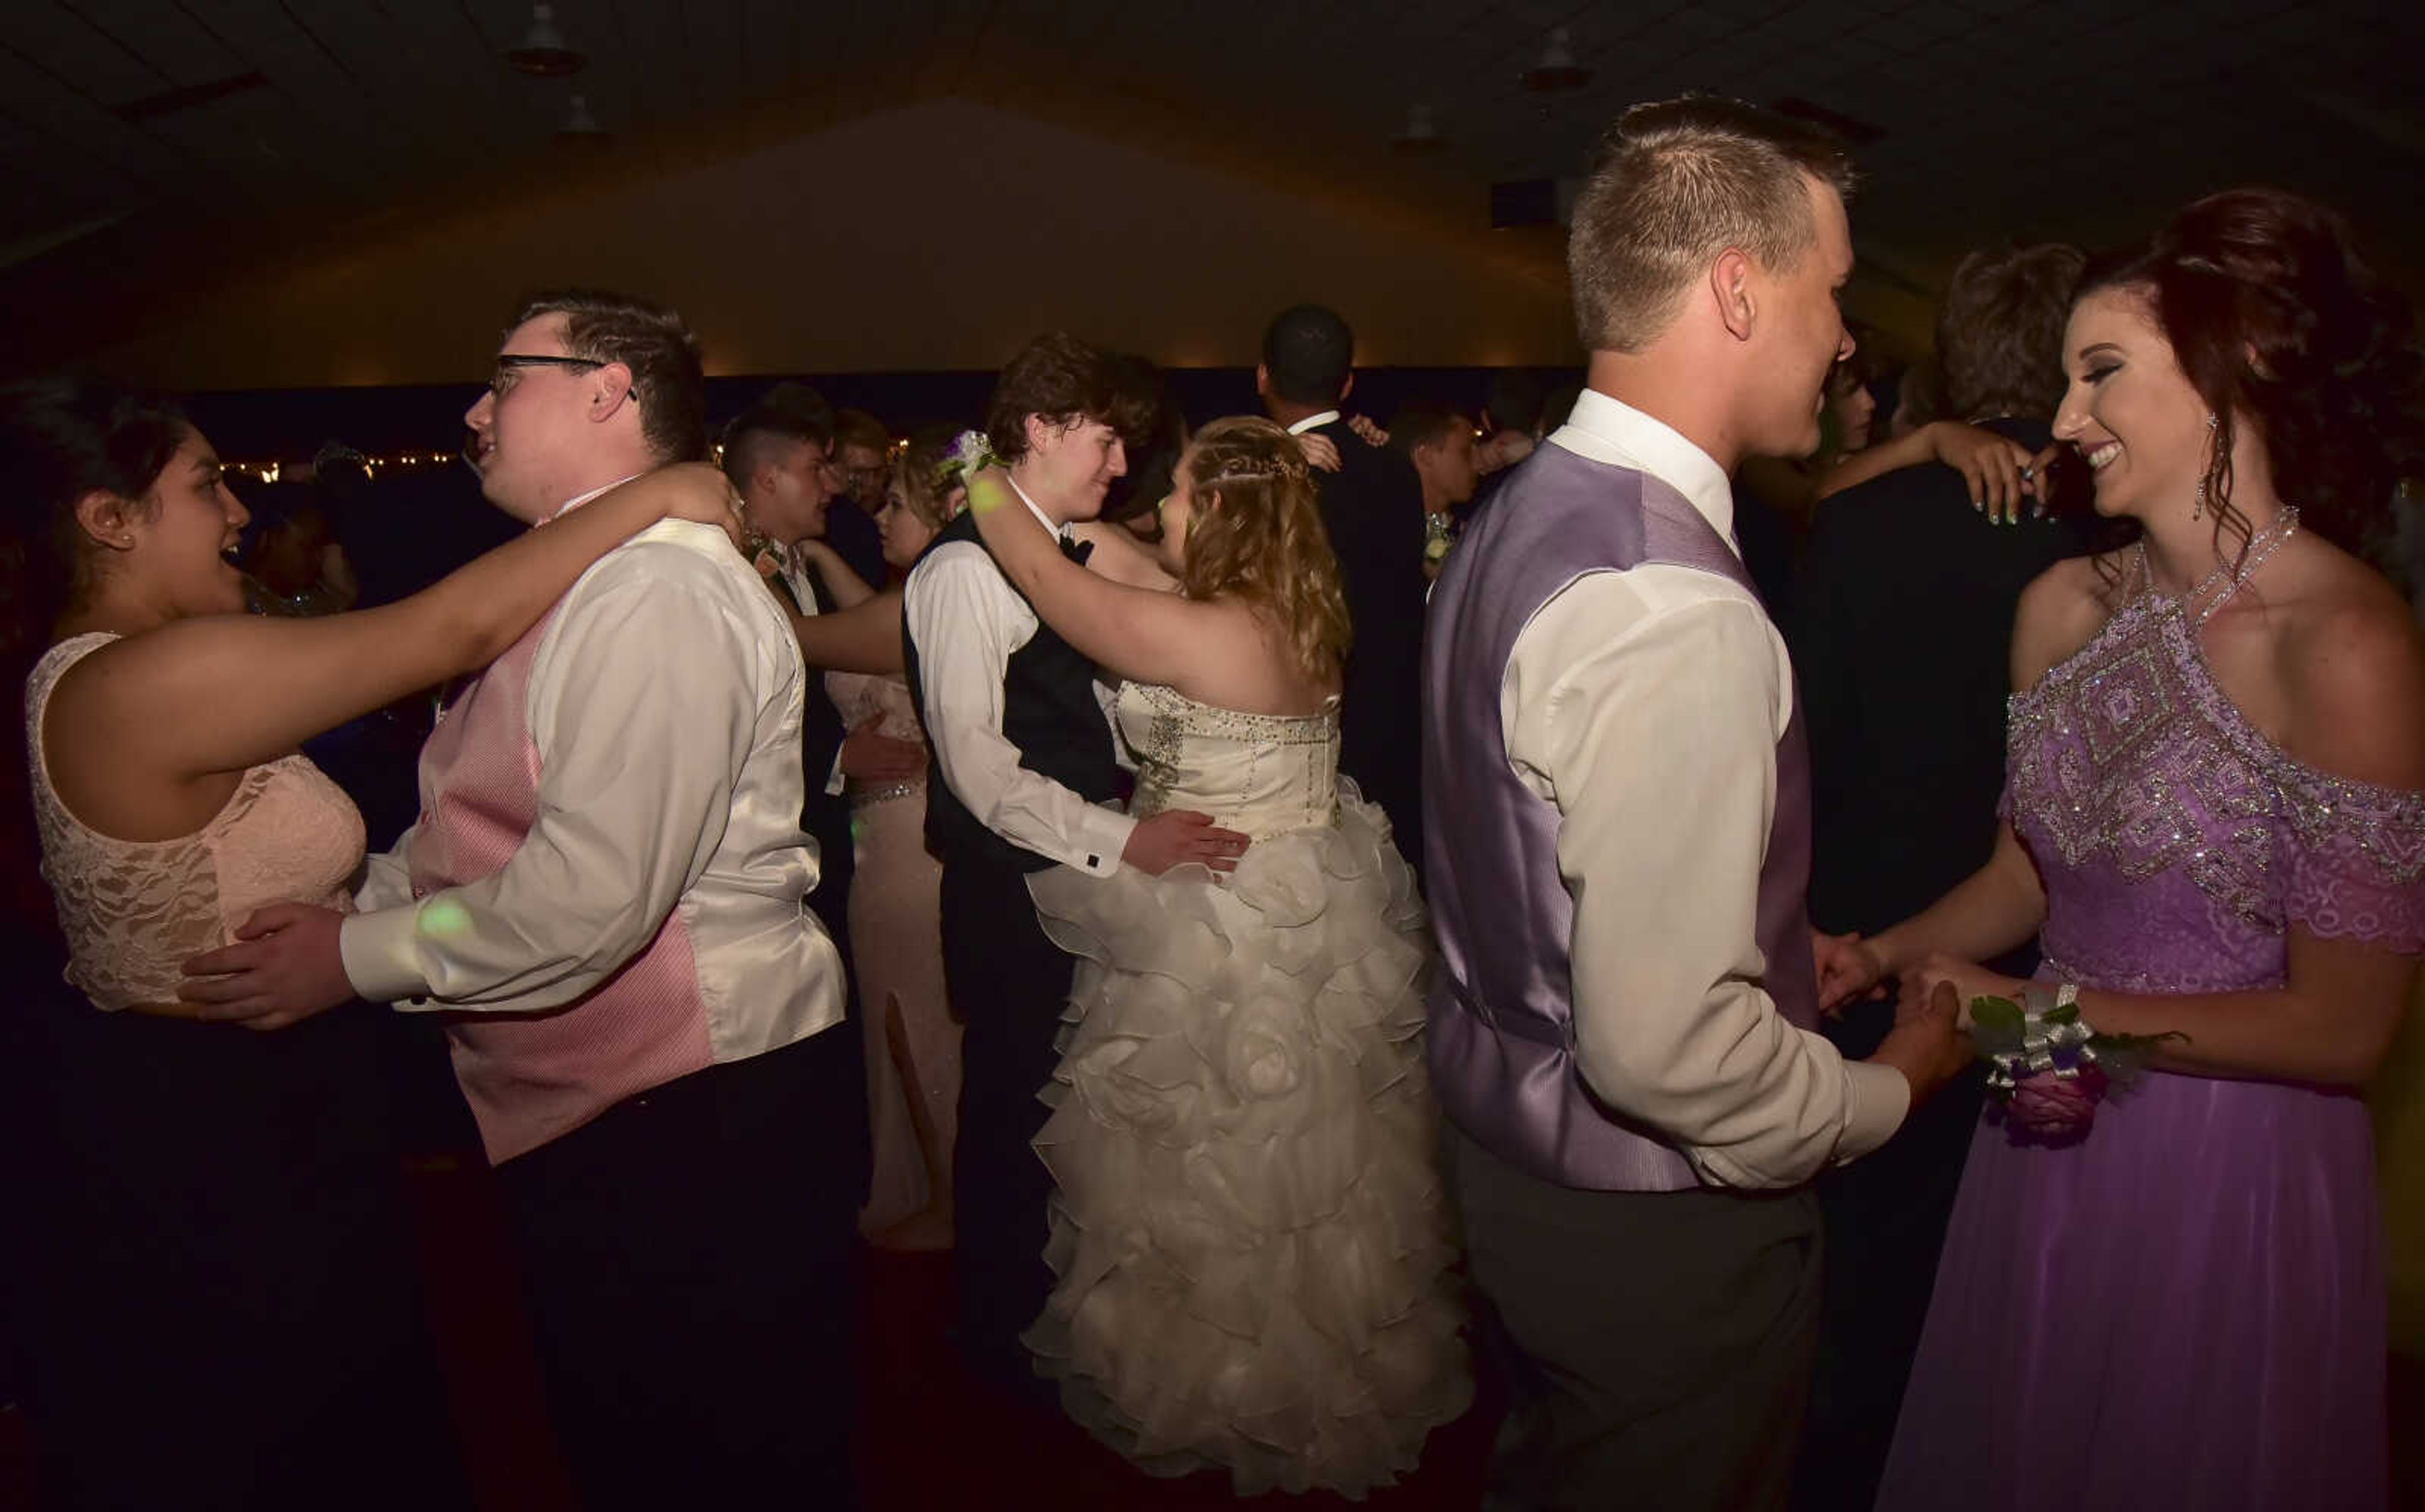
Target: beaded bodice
133	910
1260	774
2177	843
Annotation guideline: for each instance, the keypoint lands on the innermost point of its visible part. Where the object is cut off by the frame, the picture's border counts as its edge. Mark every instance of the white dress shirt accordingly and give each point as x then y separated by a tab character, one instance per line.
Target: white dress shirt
968	621
1312	420
1647	705
664	702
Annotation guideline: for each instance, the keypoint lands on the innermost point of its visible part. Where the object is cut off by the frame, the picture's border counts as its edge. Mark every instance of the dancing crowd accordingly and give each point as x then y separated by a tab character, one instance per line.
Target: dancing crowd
1308	912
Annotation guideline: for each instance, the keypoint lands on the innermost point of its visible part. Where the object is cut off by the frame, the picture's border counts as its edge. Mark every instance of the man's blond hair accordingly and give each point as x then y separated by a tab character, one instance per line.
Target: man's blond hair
1679	182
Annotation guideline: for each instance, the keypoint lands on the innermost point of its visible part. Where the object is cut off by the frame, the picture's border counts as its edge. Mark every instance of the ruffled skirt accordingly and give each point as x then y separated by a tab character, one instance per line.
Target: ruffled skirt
1249	1231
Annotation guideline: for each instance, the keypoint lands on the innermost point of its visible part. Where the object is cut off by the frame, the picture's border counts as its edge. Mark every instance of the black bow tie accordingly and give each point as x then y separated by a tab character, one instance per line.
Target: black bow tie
1076	550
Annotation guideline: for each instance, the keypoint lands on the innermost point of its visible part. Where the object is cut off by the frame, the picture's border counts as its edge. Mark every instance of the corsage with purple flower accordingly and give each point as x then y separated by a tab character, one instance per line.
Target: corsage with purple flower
971	454
2047	1070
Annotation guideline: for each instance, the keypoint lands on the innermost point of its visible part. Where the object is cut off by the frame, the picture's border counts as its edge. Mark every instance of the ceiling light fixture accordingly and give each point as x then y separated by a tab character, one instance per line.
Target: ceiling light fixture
1557	72
543	53
581	128
1419	134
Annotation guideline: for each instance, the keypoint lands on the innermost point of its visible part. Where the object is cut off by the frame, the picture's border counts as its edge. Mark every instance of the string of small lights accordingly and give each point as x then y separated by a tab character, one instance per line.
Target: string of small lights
271	471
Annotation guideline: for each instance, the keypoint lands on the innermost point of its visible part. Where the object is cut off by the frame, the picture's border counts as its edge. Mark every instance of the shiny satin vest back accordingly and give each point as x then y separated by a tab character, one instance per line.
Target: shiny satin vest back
1501	1012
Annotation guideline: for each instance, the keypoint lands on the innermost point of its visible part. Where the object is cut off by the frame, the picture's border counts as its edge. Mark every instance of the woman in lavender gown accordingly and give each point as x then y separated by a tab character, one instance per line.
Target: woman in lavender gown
2215	806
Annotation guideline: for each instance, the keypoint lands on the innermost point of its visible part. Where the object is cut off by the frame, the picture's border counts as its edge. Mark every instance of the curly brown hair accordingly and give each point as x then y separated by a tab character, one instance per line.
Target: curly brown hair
1255	534
1062	381
2278	323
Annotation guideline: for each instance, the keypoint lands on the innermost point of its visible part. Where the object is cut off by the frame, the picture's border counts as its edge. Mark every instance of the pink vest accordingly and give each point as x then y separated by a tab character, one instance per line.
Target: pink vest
530	1077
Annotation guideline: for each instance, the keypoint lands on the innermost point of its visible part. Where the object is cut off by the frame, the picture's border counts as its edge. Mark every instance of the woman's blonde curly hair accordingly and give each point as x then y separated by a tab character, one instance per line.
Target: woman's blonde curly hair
1264	541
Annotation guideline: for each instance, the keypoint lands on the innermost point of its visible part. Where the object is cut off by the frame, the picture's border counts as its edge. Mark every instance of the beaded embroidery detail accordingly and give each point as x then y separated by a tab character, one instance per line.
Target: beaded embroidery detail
2130	754
1284	753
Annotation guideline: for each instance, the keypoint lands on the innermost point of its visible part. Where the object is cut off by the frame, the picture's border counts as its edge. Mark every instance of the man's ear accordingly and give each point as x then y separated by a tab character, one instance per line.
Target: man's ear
1262	381
611	388
1347	387
1731	286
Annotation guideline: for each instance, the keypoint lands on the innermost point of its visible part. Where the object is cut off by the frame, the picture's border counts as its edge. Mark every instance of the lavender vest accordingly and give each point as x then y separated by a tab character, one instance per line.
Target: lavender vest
1501	1014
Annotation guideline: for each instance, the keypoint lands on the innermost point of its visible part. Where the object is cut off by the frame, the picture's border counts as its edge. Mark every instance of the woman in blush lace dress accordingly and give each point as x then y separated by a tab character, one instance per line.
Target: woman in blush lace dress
2215	805
1253	1253
913	1047
229	1315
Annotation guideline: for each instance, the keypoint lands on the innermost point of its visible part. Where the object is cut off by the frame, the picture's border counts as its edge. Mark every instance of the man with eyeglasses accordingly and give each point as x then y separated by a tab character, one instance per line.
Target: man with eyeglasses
605	895
864	453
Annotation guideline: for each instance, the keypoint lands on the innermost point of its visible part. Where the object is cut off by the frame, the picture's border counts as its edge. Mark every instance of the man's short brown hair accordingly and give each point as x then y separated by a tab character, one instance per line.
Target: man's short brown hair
653	343
857	427
1678	182
1999	330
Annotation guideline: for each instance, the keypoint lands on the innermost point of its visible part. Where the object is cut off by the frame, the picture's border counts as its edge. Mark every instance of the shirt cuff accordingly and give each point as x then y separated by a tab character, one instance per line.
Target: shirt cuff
1876	1099
379	950
1102	834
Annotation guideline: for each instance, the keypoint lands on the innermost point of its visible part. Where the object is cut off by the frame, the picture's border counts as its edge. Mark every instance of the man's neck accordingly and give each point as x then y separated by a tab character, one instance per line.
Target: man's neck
1058	511
1287	413
595	477
753	521
1670	391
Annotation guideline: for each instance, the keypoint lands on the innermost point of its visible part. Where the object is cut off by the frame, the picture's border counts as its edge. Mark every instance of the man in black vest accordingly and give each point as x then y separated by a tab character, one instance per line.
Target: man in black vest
1372	508
1024	772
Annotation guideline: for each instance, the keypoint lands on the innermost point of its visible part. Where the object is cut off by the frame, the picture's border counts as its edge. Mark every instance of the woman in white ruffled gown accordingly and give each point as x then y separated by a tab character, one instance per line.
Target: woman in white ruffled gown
1253	1250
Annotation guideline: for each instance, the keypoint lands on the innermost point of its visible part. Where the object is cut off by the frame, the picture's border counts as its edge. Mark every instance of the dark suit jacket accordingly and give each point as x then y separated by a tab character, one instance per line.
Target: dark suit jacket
855	538
1902	631
1372	507
1901	623
825	816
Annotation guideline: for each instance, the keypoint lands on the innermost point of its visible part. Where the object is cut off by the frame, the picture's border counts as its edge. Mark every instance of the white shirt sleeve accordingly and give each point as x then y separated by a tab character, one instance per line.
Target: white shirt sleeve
387	876
967	622
643	718
1647	705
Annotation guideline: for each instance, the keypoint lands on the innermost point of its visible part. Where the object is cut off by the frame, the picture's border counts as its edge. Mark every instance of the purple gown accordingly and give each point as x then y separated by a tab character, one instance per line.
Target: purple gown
2185	1310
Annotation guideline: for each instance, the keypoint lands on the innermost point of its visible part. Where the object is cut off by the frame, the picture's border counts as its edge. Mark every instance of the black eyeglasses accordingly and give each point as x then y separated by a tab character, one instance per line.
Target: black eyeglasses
510	366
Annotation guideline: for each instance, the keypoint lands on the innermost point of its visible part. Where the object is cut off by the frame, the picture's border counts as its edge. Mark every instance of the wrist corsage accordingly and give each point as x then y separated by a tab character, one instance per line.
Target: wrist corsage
2046	1070
1439	533
971	454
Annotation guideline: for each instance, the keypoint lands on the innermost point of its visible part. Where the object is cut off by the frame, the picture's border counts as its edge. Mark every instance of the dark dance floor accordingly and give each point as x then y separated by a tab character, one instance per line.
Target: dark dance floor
930	1434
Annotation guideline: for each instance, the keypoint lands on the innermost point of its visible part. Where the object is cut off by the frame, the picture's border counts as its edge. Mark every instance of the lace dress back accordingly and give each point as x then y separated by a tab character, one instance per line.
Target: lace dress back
2187	1308
134	910
1260	774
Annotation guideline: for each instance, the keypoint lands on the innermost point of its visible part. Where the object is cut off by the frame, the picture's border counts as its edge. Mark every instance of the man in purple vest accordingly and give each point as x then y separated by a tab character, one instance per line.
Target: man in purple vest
1621	1035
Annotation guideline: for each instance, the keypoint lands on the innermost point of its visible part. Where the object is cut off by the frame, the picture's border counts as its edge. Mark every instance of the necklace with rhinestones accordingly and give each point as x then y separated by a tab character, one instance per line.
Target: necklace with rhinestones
2227	576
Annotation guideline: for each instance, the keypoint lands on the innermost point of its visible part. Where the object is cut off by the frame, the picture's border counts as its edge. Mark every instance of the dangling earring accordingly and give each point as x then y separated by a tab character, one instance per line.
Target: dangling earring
2197	502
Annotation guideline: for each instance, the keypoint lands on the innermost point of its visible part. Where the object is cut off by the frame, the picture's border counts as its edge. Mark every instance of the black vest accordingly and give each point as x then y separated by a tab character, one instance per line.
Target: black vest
1048	712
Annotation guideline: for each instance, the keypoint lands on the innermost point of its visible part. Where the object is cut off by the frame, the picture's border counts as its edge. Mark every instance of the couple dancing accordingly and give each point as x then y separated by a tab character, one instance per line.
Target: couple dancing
1234	1251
